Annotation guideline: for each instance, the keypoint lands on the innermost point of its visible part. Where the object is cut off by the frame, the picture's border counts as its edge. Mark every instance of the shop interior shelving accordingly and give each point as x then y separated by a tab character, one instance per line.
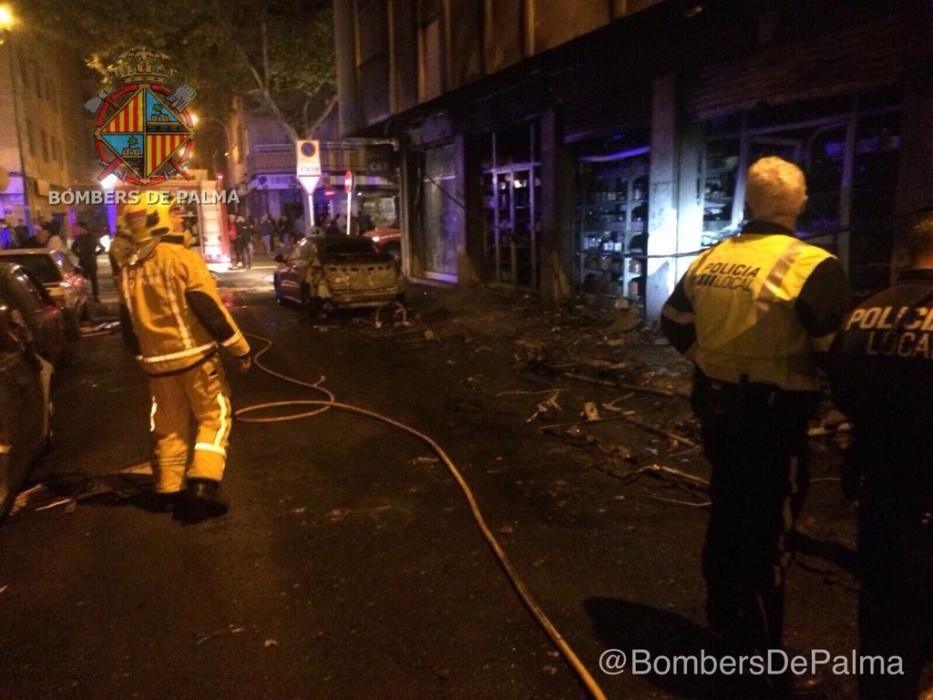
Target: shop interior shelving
612	225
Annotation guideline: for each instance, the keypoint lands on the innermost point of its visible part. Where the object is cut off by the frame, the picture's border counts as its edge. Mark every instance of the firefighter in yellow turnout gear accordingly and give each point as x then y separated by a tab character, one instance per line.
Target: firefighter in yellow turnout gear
175	323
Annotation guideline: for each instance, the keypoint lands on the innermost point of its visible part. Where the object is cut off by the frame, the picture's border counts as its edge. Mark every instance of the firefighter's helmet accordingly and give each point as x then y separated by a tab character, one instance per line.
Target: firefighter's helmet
146	217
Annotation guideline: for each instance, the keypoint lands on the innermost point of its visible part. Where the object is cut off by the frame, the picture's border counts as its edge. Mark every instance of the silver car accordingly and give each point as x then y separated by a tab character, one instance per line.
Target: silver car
61	278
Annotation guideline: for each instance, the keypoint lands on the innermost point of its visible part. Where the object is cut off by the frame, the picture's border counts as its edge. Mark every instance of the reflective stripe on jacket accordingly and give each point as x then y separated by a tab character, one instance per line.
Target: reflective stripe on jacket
175	312
740	300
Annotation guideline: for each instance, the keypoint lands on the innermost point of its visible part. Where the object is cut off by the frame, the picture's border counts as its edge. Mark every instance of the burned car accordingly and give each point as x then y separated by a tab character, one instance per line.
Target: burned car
327	272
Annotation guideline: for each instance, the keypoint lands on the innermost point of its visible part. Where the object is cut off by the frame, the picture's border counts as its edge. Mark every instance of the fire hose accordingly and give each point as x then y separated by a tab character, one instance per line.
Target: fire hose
313	407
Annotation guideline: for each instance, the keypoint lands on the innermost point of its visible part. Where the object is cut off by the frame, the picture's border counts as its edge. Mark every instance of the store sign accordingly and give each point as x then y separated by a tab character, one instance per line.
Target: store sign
308	158
272	182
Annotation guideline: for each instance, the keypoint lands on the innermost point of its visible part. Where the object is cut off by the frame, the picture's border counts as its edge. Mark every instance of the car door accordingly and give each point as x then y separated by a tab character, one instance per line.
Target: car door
41	319
22	412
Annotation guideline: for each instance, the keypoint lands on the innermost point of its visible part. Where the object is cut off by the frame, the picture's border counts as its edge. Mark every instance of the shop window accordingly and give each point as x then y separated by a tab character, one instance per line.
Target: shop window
718	186
511	173
874	194
503	36
373	41
441	215
465	53
557	21
374	81
612	219
429	60
24	70
849	151
31	137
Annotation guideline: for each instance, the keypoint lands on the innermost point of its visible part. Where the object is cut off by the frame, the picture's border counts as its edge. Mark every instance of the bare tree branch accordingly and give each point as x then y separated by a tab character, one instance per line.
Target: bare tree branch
264	93
320	120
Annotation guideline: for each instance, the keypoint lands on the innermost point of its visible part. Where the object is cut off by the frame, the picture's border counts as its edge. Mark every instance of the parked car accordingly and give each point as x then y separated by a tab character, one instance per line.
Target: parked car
20	290
61	277
324	272
387	240
25	409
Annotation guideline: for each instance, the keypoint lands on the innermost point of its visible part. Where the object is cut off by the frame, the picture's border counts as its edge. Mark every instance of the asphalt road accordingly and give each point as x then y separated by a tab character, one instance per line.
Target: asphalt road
349	566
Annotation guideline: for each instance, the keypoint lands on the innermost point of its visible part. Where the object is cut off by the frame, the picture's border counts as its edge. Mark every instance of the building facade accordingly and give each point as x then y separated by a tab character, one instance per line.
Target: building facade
261	167
46	137
593	147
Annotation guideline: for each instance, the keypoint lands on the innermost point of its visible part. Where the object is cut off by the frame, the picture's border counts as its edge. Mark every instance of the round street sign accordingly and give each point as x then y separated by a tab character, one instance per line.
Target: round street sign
347	181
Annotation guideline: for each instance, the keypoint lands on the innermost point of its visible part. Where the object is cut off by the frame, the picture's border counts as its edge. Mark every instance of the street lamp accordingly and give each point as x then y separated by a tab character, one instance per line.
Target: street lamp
229	140
7	20
108	184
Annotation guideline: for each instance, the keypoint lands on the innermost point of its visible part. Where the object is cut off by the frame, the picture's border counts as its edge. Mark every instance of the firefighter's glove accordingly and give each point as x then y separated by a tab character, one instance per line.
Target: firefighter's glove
244	363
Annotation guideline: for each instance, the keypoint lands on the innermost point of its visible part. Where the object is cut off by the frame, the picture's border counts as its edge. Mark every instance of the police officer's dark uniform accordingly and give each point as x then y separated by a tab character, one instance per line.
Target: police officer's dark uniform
752	313
882	378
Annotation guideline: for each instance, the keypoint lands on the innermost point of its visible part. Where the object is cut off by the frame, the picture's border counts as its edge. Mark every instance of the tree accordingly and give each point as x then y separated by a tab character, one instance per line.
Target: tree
278	54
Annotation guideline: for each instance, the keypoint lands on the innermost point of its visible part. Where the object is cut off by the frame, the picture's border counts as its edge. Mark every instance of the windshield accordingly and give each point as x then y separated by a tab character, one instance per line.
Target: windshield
347	246
39	265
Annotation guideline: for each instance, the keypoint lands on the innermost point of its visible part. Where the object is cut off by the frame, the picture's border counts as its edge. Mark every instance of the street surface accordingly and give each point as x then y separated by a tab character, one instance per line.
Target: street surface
349	565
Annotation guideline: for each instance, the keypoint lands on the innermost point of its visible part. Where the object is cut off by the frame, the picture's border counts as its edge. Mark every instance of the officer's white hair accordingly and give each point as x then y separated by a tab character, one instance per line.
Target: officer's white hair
774	189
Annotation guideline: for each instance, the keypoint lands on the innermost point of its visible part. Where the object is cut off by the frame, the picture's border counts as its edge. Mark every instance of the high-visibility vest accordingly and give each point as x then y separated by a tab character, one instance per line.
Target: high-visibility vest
743	292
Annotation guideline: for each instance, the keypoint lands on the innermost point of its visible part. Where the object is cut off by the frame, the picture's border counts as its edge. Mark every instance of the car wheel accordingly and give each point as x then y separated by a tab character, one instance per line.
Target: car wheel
72	324
395	251
278	292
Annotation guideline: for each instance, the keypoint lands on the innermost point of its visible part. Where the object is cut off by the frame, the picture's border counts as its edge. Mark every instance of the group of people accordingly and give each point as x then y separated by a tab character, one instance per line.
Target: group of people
84	248
246	236
46	234
760	315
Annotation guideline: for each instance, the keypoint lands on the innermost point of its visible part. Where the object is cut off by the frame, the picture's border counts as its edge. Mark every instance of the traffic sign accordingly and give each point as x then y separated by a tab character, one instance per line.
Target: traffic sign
308	158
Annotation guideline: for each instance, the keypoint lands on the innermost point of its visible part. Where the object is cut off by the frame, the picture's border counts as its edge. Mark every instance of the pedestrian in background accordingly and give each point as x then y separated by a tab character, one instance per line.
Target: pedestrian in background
284	230
232	234
243	243
6	236
755	314
882	379
267	231
87	247
50	240
175	324
21	234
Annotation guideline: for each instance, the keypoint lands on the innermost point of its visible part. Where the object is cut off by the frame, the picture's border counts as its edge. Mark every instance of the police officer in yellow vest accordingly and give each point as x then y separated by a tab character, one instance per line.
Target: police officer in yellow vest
175	323
755	314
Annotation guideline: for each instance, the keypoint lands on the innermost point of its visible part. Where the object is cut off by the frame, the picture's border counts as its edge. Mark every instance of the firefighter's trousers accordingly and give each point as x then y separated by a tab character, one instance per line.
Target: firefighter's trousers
202	394
756	441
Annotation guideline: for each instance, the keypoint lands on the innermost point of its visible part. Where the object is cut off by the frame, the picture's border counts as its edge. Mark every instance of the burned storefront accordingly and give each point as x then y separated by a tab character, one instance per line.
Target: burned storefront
594	153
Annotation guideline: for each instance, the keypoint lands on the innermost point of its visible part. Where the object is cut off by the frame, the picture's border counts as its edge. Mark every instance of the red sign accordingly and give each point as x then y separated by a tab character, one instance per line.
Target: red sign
347	181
